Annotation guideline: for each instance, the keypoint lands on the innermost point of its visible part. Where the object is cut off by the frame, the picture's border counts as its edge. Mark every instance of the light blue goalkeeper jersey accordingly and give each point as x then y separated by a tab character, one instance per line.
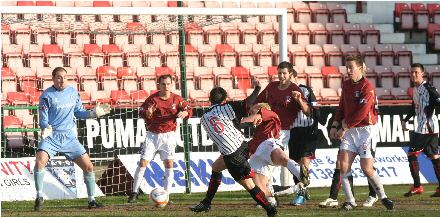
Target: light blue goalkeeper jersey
61	108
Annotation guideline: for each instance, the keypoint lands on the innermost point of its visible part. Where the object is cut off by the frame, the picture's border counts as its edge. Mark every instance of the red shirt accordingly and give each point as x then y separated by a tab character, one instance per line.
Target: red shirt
358	104
281	102
270	127
164	117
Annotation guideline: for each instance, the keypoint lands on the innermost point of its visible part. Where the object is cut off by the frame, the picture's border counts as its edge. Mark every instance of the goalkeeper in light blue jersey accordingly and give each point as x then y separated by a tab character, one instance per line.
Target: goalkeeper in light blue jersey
60	106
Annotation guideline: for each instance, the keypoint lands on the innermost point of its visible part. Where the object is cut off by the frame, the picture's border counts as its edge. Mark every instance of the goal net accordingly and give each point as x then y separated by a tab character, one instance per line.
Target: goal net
115	55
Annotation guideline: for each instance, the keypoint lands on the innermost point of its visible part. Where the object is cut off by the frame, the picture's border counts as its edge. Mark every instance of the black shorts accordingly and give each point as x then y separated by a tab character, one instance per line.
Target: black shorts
428	143
302	143
237	163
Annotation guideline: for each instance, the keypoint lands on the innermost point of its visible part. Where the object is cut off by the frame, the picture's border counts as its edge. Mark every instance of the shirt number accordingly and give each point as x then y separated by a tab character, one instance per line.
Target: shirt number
217	124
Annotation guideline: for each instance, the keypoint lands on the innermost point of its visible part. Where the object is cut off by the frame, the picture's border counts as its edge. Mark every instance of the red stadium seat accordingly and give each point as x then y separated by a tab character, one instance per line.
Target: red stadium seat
384	93
405	15
25	3
301	33
319	33
34	97
402	76
370	33
386	54
303	14
338	13
316	55
385	75
44	3
9	80
348	49
434	12
102	4
369	54
138	96
163	71
403	54
336	33
18	98
353	33
241	77
120	97
320	12
421	15
333	55
333	77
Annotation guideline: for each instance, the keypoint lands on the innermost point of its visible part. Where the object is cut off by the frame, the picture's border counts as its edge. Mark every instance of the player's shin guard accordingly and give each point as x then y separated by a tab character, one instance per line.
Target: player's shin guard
169	179
436	165
414	168
336	184
375	182
260	197
89	180
214	182
138	176
38	177
347	188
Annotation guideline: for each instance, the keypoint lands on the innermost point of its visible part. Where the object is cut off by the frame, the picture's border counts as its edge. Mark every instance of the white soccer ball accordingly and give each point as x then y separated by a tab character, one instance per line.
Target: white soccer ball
159	197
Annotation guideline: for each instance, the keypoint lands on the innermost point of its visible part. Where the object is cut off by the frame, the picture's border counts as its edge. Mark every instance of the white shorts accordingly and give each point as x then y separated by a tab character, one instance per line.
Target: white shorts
162	143
261	160
284	138
361	140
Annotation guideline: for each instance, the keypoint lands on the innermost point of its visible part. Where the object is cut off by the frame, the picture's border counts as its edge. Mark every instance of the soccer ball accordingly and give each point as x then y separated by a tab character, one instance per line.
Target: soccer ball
159	197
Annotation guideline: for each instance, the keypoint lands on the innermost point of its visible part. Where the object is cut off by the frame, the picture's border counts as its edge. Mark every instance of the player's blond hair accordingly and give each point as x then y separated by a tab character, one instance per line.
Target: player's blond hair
260	106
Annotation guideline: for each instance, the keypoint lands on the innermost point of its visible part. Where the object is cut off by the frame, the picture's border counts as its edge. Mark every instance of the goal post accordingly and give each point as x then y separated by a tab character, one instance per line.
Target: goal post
122	131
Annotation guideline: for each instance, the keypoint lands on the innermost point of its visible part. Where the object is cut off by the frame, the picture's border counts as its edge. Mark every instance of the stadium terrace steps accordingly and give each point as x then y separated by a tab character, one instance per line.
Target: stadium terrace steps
392	38
384	28
417	48
359	18
429	59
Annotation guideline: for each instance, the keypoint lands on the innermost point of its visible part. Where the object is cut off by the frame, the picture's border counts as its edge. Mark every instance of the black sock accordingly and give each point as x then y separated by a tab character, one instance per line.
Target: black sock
372	192
436	165
260	197
350	179
214	182
414	168
336	184
277	188
296	180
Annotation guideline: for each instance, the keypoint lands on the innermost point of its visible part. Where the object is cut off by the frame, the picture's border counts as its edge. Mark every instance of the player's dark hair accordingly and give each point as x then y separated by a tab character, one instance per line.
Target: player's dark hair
165	76
217	95
418	65
289	67
57	69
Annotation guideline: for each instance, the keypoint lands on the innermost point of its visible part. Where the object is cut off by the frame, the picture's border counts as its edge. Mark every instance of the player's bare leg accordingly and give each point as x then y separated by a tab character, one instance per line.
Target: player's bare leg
138	177
278	157
89	179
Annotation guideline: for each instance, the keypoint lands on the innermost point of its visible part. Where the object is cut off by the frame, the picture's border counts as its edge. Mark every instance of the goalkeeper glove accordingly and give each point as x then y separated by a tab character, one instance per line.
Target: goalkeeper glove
100	110
46	132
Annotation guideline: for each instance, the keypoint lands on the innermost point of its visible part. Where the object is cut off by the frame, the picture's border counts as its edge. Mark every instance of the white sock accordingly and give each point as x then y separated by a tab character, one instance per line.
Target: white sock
293	168
169	179
347	189
377	185
138	177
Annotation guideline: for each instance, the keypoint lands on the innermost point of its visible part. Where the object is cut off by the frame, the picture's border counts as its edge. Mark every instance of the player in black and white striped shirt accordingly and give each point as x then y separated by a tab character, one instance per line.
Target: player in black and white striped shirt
221	122
425	137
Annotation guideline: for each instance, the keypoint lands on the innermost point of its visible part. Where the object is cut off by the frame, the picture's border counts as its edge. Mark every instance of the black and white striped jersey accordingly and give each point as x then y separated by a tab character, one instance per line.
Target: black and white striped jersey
221	122
303	120
425	99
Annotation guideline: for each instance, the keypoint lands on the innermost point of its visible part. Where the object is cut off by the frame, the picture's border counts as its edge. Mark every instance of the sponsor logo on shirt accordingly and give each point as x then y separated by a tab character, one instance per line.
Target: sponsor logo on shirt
288	99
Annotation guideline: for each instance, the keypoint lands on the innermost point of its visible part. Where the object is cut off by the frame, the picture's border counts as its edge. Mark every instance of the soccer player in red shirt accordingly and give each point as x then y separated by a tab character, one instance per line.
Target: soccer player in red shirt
357	116
265	148
160	111
280	95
